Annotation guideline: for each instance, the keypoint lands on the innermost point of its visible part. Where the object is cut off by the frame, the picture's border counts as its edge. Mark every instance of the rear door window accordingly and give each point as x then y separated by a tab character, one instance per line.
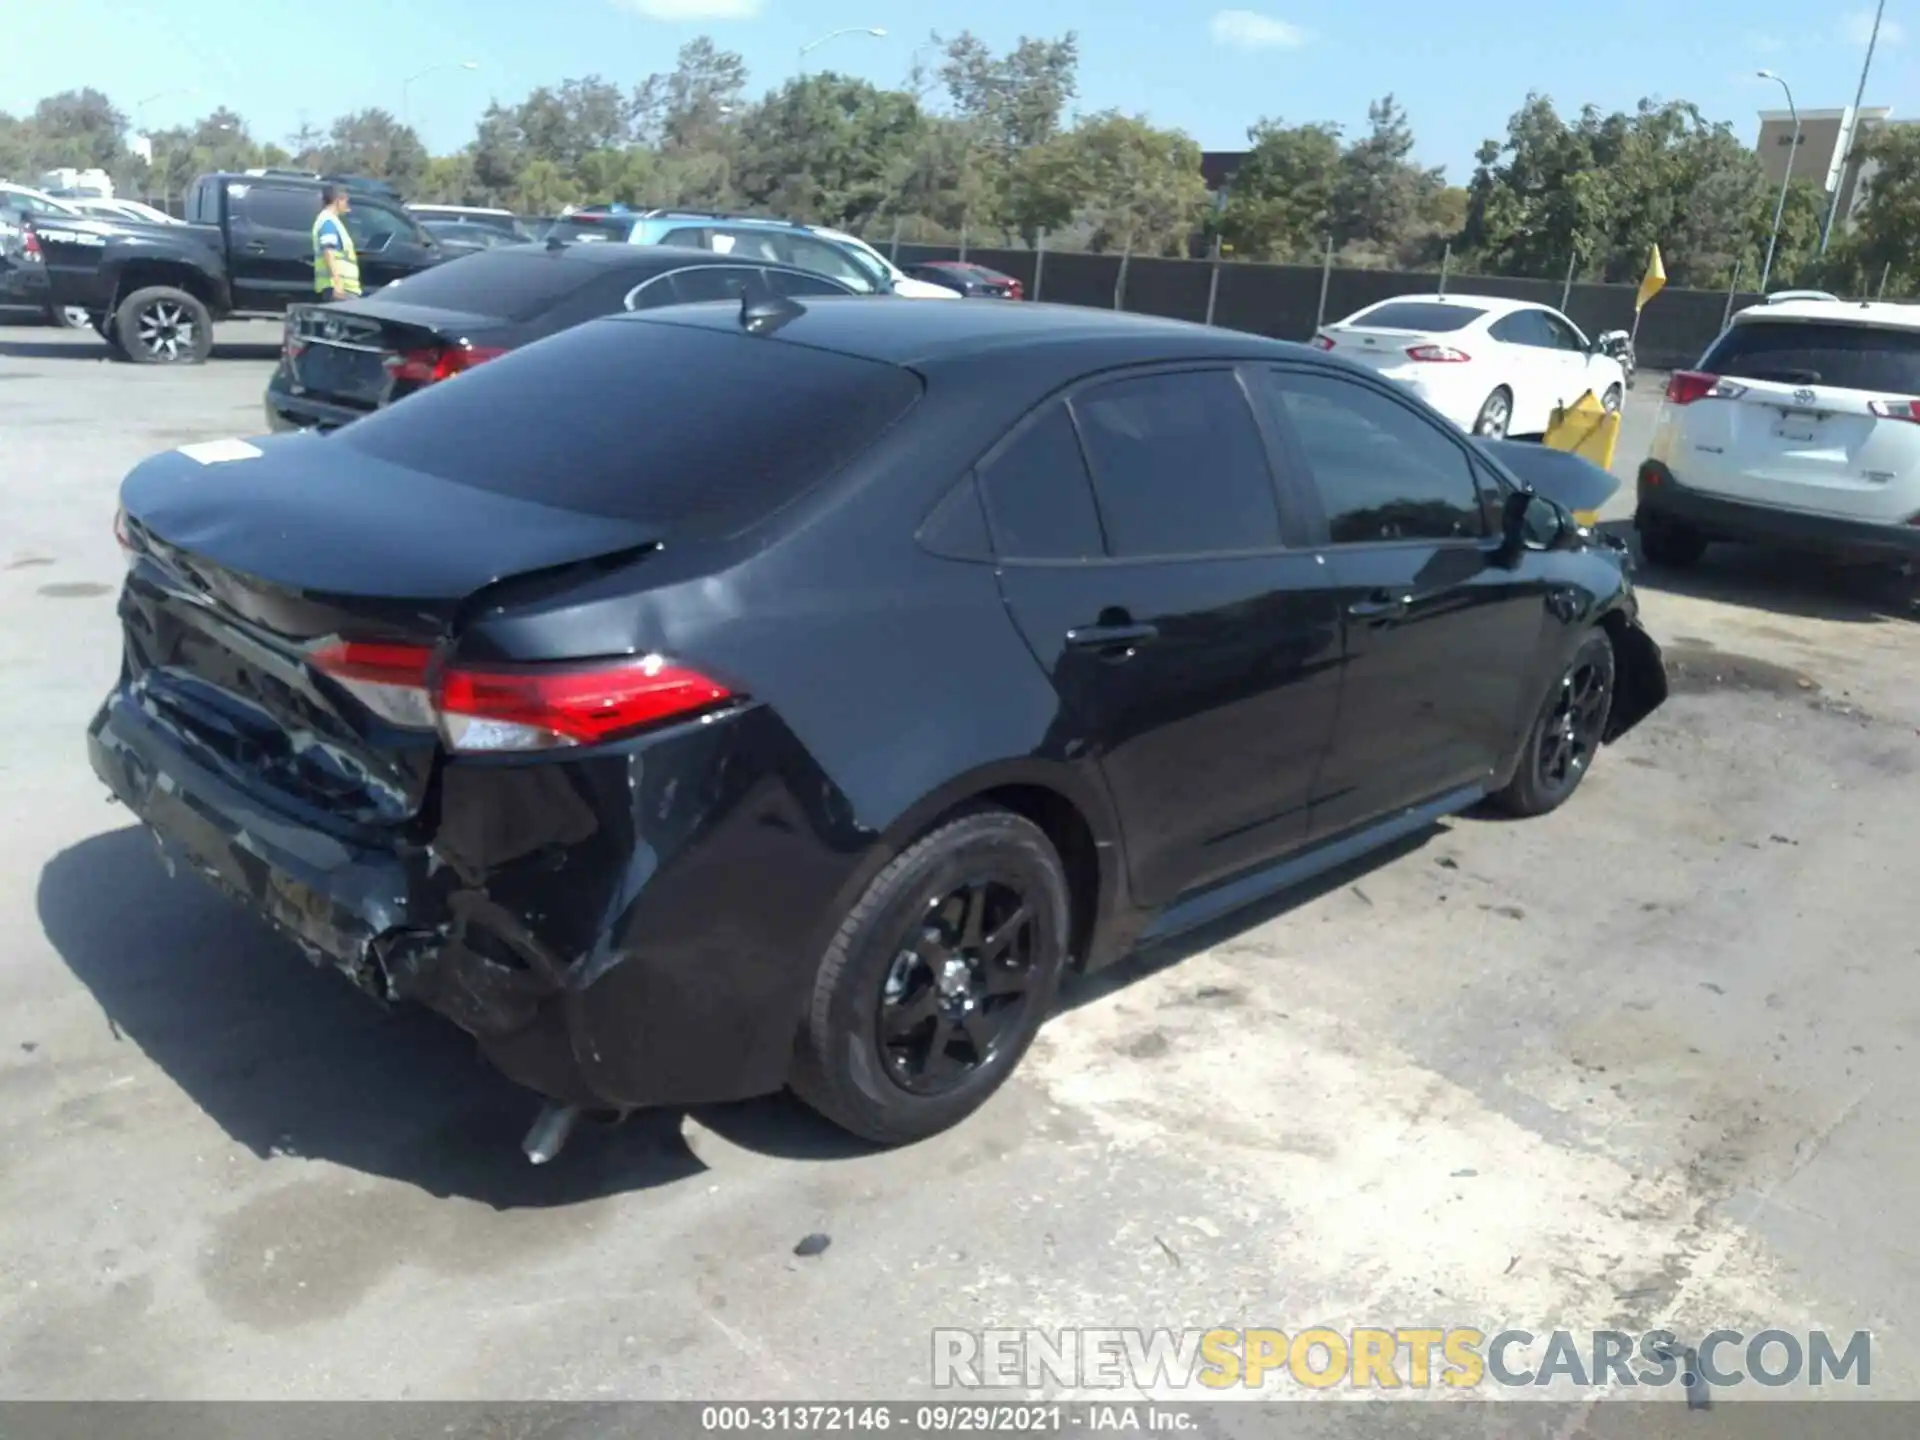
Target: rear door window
508	284
798	286
701	431
713	282
1179	466
1429	317
279	207
1792	352
1039	495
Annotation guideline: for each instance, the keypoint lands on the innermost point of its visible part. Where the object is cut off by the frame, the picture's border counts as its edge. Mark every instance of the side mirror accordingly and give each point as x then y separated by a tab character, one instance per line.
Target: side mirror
1531	522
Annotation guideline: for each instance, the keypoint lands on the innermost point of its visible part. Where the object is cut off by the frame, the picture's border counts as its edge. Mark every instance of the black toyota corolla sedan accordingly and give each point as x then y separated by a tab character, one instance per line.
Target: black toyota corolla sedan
339	361
737	695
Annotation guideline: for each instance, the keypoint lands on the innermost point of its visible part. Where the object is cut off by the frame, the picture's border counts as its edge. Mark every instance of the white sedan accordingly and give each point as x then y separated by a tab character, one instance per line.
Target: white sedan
1493	367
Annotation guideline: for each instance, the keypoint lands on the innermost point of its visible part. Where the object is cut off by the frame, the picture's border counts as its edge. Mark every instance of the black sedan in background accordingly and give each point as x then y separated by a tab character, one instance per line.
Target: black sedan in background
777	692
969	279
341	361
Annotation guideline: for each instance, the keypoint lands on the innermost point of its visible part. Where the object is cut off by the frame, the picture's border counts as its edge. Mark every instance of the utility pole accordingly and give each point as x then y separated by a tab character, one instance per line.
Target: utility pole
1853	129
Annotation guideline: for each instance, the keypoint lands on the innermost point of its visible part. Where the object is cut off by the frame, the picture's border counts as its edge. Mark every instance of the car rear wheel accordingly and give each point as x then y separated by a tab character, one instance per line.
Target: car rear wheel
1496	414
164	326
1567	734
937	981
69	317
1669	544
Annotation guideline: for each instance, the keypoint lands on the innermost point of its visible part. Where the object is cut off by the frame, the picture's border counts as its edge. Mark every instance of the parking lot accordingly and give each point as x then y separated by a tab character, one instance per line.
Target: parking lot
1648	1062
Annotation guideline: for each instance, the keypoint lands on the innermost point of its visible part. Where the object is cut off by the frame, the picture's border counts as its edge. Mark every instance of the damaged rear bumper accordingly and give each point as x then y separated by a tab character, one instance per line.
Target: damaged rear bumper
532	917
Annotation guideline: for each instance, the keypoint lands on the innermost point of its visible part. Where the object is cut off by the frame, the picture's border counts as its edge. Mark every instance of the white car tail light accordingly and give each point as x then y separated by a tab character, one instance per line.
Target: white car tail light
1438	354
1896	409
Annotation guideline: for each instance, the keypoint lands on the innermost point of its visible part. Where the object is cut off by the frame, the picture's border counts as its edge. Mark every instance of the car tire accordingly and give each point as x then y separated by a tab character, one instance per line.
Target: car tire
1567	731
1613	399
914	1020
1496	415
162	325
68	317
1668	544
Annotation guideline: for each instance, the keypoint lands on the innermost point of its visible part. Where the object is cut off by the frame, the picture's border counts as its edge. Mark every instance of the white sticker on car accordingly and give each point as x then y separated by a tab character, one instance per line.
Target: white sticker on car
216	452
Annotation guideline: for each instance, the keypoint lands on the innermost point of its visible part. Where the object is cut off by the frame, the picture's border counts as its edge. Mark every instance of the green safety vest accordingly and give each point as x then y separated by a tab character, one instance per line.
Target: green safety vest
345	270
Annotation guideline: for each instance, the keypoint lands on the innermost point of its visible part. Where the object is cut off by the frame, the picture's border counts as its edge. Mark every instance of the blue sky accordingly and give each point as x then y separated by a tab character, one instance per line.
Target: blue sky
1460	66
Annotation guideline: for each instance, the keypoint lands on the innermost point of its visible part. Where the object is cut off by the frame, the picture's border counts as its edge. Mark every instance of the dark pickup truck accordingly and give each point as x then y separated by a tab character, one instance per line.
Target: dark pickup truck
154	291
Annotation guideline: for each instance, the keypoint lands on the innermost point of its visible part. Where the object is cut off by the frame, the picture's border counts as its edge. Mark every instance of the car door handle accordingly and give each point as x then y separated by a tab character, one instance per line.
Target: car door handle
1381	607
1111	637
256	247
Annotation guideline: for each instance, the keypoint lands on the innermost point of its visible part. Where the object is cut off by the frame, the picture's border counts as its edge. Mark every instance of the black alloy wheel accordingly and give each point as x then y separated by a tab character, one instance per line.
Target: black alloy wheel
1571	729
937	979
1568	733
959	988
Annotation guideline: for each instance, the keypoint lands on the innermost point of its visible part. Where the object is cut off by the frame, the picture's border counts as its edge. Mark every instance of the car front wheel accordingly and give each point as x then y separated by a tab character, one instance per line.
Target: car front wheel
937	981
1567	732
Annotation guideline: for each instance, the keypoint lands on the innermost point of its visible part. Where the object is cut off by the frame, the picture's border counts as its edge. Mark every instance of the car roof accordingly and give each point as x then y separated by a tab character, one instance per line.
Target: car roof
1880	314
904	332
636	257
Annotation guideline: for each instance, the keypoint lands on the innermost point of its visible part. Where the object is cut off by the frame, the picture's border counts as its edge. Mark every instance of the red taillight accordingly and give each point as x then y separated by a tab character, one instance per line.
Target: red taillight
1687	386
290	342
30	244
533	707
1016	291
1322	342
1896	409
430	366
390	680
1438	354
538	708
121	531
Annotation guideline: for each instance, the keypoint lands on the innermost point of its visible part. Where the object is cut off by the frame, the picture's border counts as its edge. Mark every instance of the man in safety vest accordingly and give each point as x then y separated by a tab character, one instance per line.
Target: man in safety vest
336	266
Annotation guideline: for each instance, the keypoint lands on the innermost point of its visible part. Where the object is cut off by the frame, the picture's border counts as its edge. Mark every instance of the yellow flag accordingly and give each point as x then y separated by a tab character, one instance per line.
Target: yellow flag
1652	282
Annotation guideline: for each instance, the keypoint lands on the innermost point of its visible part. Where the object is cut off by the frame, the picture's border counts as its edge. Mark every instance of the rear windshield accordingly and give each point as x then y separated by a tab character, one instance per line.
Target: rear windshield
582	229
707	431
1794	352
505	284
1429	317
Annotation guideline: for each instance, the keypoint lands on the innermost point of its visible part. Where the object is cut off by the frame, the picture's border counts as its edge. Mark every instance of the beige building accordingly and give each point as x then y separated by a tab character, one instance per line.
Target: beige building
1821	157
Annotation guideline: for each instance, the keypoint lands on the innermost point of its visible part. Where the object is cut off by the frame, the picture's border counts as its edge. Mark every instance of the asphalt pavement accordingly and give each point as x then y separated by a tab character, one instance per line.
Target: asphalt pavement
1643	1062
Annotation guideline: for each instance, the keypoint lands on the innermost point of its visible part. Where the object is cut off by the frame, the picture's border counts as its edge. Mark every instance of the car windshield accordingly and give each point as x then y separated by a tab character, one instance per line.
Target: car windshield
1798	352
643	421
866	259
1428	317
584	229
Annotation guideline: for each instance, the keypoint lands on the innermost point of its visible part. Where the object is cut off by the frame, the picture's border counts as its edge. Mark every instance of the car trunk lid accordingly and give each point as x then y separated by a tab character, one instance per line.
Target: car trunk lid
252	559
1376	349
371	352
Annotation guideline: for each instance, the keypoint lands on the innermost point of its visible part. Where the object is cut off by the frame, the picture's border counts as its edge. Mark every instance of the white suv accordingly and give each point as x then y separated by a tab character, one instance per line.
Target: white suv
1801	428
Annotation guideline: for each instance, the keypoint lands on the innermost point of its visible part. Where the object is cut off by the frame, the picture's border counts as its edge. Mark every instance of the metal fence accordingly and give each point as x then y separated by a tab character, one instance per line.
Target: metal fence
1289	302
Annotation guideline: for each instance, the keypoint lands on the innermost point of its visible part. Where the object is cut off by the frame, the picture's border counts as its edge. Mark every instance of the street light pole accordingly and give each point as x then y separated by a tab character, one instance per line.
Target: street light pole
406	85
876	31
1853	129
1780	205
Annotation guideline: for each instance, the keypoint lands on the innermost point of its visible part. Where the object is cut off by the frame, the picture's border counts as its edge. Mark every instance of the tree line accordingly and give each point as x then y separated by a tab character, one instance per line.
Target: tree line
989	146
